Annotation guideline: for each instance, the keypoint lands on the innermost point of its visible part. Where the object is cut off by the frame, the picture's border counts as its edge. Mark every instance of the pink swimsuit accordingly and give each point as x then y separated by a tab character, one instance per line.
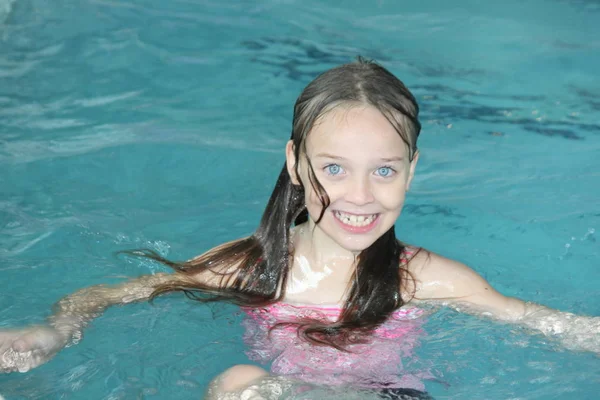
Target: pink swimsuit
377	364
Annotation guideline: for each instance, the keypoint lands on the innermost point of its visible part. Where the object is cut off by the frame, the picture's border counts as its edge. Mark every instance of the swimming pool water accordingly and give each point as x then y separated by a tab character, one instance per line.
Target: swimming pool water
139	123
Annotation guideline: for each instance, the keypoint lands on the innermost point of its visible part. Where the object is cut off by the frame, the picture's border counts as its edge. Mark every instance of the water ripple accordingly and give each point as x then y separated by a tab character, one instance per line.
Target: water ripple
5	8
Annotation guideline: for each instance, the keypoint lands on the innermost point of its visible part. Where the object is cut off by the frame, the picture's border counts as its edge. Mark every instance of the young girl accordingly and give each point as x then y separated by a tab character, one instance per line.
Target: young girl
331	295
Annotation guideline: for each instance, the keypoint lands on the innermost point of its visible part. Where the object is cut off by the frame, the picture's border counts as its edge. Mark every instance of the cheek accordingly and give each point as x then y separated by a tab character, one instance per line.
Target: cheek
313	205
312	200
392	198
333	192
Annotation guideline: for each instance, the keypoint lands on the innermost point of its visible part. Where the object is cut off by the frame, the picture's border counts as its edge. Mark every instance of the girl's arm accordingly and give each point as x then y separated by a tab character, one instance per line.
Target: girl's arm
456	285
23	349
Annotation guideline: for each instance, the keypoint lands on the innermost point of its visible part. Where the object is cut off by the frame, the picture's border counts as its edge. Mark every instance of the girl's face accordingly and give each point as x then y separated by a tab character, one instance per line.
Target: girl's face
362	163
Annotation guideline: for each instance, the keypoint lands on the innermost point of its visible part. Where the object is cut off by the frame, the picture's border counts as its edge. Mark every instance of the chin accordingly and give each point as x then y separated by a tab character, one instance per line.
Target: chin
356	242
356	245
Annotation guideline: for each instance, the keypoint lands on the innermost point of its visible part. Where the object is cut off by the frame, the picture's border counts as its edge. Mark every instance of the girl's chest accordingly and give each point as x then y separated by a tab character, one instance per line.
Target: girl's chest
317	284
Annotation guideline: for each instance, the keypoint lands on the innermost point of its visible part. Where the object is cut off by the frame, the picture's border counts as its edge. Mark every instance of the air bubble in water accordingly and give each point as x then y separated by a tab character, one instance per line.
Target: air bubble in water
590	232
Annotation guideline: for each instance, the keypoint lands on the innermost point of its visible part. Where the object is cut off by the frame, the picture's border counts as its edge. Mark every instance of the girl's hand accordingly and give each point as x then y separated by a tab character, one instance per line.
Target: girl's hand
24	349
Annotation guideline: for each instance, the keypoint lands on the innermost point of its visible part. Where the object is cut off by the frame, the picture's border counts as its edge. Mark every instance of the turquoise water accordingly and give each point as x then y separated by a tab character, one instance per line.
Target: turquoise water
127	124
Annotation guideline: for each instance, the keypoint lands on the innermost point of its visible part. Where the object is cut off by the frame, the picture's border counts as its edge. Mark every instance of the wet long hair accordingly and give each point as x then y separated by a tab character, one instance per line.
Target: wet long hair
254	271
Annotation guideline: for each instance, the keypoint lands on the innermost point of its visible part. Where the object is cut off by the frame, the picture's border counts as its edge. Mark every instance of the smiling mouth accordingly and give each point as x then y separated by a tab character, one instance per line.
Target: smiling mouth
353	220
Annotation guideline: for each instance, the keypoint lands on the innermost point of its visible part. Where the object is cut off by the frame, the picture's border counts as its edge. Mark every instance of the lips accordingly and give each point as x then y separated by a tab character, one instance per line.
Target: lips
356	223
354	219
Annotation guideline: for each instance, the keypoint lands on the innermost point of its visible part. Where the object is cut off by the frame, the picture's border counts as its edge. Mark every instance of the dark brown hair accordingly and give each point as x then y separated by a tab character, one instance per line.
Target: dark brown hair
254	271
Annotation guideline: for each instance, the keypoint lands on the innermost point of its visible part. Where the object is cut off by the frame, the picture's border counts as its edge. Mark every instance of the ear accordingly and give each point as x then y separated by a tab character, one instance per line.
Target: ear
413	166
290	159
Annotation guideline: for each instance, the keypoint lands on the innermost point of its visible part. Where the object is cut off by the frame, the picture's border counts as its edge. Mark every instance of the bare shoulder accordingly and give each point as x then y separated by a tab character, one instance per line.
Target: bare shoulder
441	279
438	277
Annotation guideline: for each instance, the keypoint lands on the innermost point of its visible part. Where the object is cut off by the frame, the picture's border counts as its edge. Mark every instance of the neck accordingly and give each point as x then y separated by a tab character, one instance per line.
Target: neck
318	247
321	269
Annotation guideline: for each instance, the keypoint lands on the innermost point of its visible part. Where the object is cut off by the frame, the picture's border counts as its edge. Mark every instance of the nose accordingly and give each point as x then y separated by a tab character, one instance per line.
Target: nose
359	191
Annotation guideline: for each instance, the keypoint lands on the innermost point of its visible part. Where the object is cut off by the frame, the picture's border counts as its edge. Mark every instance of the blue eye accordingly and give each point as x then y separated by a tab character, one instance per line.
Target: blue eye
333	169
385	172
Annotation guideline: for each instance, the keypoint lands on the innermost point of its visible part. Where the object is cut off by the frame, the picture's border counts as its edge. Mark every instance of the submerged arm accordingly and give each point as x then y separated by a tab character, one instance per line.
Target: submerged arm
575	332
74	312
23	349
458	286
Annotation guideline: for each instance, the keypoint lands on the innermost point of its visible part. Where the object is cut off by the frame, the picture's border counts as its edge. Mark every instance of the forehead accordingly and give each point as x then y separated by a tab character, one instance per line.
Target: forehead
359	130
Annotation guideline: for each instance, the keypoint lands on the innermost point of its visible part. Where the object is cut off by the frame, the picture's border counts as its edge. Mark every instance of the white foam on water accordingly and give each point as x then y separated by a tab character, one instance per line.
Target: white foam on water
278	388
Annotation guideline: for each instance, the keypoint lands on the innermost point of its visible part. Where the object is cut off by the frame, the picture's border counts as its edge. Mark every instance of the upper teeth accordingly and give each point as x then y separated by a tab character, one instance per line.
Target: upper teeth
355	220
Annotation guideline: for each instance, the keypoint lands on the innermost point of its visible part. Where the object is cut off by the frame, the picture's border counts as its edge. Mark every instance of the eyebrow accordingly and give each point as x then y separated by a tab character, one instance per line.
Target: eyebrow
327	155
385	159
